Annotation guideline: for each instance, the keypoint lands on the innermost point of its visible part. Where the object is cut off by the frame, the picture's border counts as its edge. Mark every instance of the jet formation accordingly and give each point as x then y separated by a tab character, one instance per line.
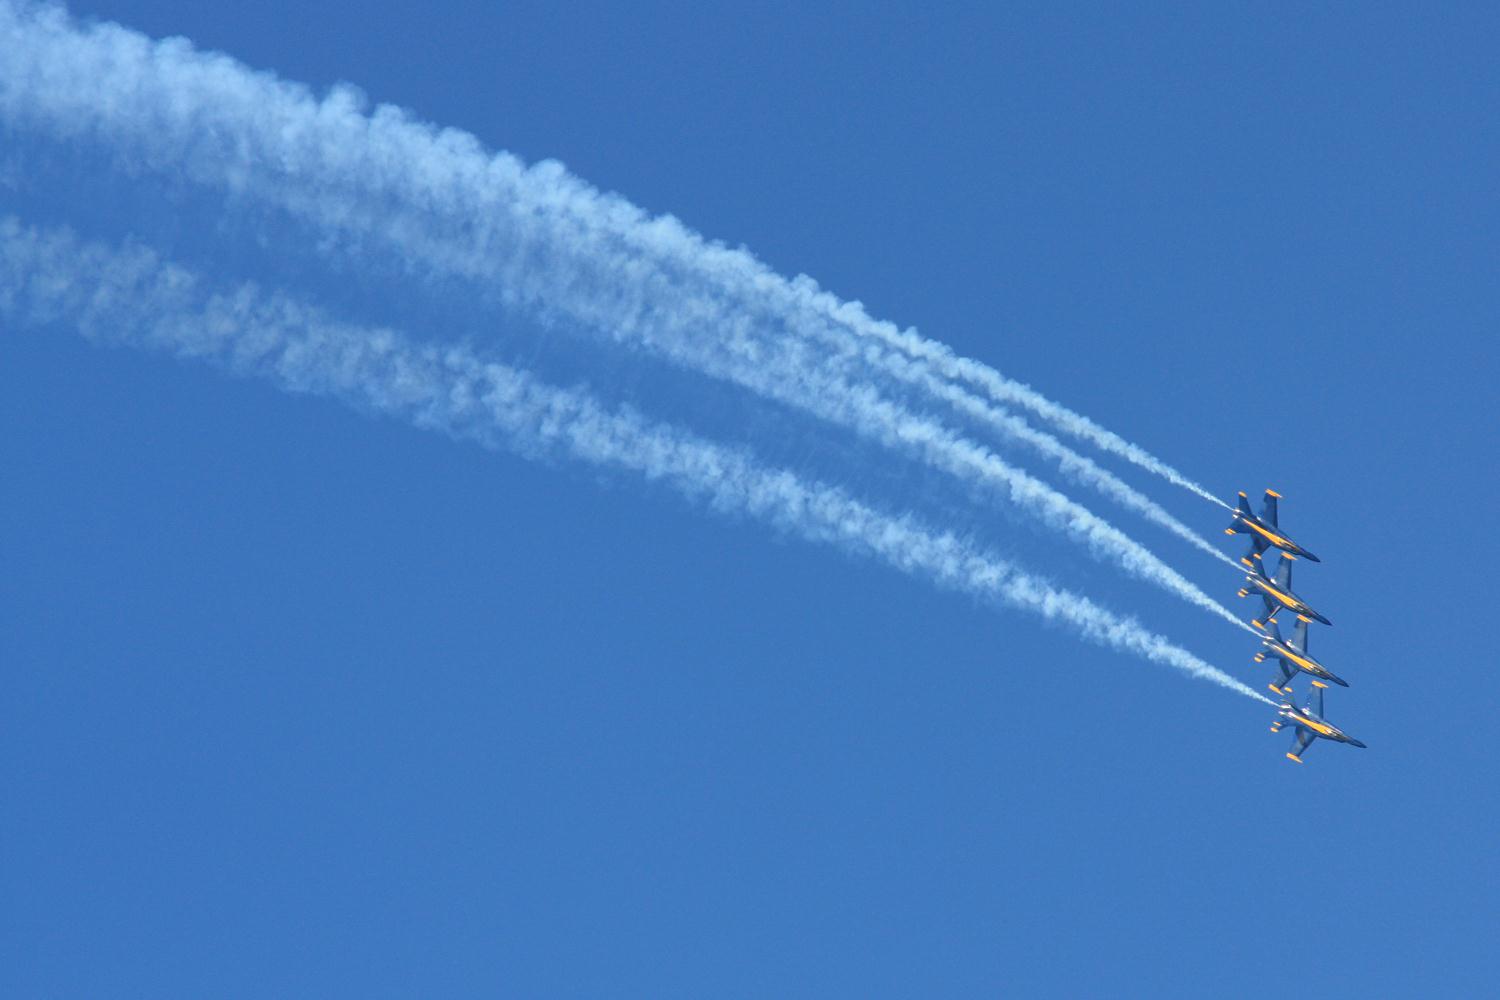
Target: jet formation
1291	656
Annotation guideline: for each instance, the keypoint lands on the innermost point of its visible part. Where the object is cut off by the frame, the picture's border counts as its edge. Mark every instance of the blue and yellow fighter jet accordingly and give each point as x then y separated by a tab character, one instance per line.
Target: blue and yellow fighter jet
1310	725
1277	594
1293	656
1263	530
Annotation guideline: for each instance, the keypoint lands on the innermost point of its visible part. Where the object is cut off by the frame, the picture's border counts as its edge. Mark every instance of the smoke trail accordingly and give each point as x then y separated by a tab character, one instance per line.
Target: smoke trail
998	387
132	297
209	114
1069	462
549	242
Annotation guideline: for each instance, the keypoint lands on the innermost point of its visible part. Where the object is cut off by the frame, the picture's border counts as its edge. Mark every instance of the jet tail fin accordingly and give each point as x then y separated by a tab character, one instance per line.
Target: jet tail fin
1284	573
1268	510
1299	635
1258	567
1244	511
1275	631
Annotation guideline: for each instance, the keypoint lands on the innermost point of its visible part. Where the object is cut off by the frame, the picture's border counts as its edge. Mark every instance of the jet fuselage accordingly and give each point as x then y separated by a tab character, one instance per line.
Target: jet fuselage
1283	598
1266	534
1298	660
1313	725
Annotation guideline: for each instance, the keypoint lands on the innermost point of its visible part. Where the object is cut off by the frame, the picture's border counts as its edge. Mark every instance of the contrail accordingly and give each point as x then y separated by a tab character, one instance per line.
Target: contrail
547	240
132	297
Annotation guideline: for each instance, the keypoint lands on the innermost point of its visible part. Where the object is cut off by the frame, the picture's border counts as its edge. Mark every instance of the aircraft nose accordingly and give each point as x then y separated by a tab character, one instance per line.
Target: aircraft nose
1339	681
1309	556
1357	743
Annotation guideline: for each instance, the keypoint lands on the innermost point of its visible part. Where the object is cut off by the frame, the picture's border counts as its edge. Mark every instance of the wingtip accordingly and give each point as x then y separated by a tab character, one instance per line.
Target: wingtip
1292	756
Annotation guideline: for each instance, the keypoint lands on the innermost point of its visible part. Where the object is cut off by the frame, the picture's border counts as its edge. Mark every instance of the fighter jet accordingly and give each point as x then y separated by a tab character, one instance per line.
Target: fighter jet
1277	594
1292	656
1310	725
1263	530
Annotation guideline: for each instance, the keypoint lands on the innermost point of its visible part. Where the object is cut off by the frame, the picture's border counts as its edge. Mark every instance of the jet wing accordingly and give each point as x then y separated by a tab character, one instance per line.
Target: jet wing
1300	743
1268	612
1268	510
1257	546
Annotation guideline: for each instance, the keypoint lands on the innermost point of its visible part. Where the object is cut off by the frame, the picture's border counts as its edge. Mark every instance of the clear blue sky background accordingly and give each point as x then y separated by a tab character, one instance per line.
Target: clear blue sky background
299	703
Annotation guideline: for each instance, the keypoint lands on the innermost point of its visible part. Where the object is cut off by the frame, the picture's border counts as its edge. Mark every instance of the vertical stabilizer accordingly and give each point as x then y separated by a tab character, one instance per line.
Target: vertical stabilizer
1268	512
1299	635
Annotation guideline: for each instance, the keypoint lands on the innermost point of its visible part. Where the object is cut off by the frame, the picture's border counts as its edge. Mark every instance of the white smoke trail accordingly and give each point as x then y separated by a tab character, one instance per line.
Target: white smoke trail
1069	462
1000	389
132	297
548	242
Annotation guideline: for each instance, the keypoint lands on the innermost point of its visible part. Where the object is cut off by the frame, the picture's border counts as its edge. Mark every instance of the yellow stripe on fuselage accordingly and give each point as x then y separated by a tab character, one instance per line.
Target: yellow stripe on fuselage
1271	536
1321	728
1285	651
1286	599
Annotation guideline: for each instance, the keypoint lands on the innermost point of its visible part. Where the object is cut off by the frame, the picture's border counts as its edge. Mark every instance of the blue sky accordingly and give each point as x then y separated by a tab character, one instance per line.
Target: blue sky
298	701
